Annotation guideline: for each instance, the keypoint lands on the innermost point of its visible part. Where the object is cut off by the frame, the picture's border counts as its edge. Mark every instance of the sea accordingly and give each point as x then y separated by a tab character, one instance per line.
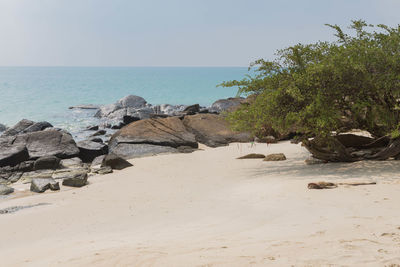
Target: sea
46	93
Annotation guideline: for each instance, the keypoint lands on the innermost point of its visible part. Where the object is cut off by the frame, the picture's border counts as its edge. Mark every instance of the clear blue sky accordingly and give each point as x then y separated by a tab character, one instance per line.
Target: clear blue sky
170	32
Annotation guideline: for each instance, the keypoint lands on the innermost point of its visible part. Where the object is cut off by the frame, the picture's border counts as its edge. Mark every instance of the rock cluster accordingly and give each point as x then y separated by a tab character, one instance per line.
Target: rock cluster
39	154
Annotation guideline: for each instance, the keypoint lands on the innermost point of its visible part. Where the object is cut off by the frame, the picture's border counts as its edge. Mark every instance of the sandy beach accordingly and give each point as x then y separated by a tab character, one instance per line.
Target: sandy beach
209	209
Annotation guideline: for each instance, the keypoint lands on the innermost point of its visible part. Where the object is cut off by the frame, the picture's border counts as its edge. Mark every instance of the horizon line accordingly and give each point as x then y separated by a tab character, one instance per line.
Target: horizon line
115	66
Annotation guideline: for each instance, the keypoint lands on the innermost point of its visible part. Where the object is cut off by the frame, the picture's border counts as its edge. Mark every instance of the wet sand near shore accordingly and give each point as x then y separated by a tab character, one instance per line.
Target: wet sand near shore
209	209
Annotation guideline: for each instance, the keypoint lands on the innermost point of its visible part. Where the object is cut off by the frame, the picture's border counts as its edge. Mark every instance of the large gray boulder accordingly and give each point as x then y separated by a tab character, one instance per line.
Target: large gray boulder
5	190
119	109
150	136
212	130
48	143
40	185
89	150
18	128
228	104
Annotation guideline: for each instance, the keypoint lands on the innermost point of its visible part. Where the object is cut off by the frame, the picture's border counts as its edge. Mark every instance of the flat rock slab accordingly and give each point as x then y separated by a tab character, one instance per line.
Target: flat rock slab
71	163
275	157
40	185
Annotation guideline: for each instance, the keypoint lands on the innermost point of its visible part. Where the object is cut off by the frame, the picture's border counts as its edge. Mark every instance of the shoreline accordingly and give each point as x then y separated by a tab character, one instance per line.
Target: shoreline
208	208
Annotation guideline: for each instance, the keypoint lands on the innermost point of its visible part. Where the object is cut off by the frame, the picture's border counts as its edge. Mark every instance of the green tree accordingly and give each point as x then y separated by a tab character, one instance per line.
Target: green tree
323	89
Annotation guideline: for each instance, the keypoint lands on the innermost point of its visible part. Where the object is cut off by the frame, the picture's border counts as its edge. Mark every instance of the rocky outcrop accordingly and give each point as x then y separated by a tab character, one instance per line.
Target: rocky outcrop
212	130
89	150
115	162
229	104
151	136
47	162
72	163
39	185
5	190
37	126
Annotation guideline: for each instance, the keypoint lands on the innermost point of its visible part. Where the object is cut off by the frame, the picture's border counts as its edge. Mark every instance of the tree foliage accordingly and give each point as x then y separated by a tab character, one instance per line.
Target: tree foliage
325	87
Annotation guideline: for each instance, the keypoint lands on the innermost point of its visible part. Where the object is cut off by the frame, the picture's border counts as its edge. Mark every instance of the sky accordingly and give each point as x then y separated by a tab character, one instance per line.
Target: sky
171	32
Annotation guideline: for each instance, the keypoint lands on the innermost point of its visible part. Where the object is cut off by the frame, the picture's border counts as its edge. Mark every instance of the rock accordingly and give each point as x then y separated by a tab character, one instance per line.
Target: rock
18	128
267	139
48	143
39	185
77	180
132	101
115	162
97	161
71	163
2	127
191	110
85	106
25	166
229	104
47	162
15	176
100	132
139	113
275	157
106	110
102	170
90	150
37	126
212	130
69	173
129	151
92	128
12	154
171	110
161	134
252	156
27	177
5	190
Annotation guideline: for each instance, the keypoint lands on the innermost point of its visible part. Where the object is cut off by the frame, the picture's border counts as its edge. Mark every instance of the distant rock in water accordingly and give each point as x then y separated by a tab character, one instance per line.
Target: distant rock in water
130	101
85	106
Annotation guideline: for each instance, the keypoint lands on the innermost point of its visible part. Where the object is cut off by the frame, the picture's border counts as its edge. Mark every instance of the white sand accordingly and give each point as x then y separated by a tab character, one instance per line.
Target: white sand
209	209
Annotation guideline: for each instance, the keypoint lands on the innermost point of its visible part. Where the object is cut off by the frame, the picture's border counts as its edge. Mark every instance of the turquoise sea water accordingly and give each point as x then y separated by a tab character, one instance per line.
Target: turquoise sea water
45	93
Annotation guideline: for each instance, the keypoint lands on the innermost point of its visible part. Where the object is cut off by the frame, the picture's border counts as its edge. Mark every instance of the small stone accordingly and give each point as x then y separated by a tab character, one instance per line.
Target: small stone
100	132
77	180
275	157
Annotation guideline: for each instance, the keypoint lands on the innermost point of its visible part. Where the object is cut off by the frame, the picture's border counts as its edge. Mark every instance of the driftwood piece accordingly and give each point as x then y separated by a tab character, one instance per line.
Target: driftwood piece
328	185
